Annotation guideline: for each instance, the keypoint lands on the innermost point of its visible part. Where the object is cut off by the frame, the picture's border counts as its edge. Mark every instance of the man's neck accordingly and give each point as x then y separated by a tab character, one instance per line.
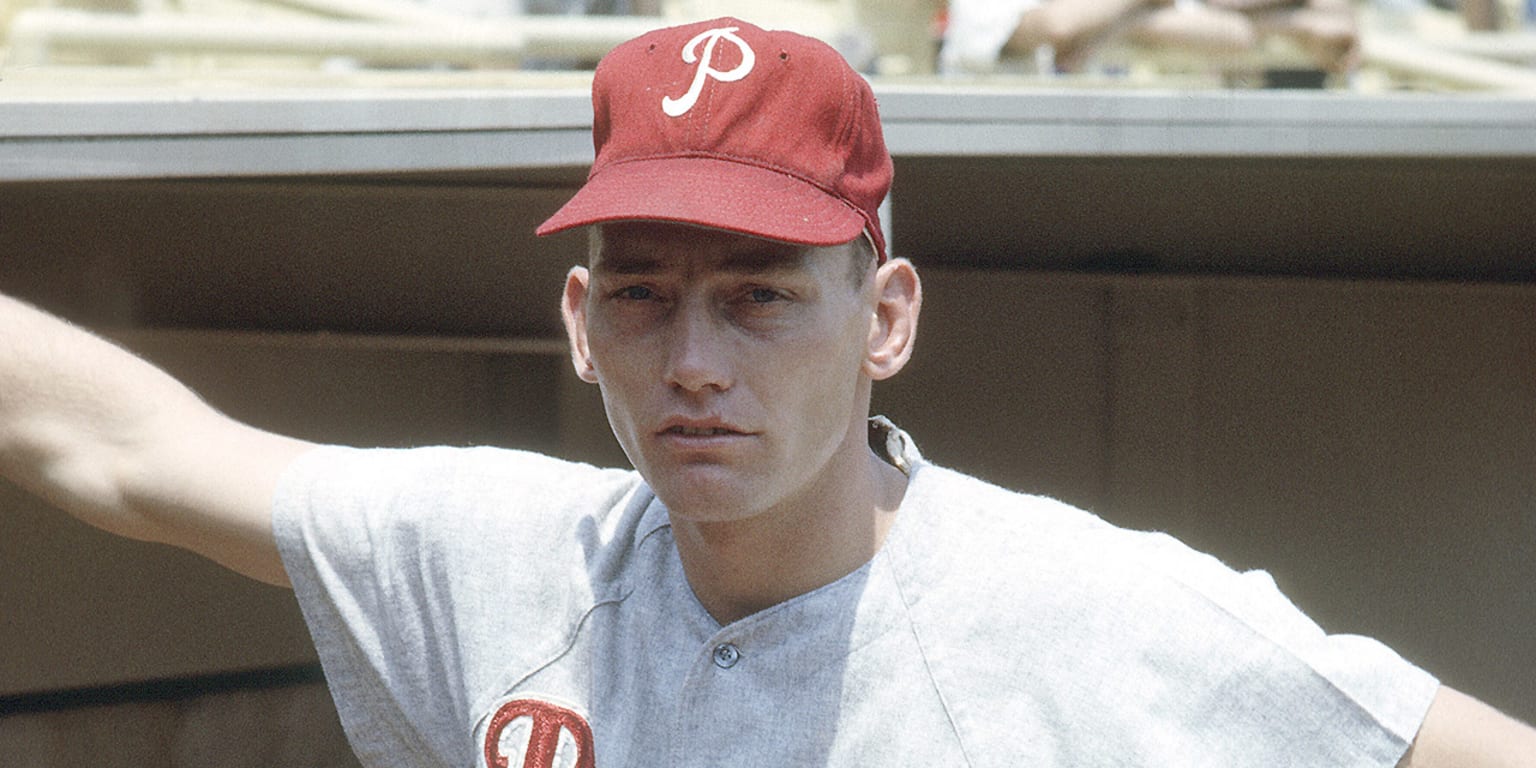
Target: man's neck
741	567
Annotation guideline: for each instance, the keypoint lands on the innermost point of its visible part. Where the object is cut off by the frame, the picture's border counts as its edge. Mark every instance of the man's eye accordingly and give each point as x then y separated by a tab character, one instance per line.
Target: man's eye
763	295
636	293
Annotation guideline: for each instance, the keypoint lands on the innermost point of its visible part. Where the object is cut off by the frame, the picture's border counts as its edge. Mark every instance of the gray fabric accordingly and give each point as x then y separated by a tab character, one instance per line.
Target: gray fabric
992	629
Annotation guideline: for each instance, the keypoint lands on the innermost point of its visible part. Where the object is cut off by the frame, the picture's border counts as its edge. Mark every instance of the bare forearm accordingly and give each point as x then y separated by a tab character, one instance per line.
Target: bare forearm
1201	28
1069	23
123	446
71	405
1462	732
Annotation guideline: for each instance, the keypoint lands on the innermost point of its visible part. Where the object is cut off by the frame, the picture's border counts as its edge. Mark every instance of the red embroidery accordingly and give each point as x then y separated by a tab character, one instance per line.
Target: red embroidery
548	720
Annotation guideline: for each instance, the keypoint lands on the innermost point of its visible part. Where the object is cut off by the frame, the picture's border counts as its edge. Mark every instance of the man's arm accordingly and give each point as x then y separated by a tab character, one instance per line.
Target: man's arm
1462	732
118	443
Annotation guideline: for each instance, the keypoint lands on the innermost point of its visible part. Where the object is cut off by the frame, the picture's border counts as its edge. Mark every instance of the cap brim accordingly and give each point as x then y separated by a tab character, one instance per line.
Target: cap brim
711	192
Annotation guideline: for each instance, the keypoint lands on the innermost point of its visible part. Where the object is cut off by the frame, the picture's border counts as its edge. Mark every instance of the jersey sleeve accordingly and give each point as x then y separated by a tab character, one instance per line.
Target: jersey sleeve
1223	665
424	573
1371	682
1124	647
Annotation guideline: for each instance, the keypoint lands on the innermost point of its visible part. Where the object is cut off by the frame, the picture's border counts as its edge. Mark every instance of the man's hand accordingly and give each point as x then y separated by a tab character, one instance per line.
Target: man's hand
1462	732
121	445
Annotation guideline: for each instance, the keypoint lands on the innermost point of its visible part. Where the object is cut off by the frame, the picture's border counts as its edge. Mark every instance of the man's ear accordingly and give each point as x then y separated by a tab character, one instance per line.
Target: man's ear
573	310
893	327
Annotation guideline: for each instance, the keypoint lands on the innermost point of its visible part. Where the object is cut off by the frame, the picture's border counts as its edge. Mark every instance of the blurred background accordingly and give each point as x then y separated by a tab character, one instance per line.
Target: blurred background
1377	44
1255	272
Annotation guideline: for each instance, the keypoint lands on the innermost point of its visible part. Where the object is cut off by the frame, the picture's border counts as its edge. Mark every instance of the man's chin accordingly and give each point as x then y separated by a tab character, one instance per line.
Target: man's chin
709	495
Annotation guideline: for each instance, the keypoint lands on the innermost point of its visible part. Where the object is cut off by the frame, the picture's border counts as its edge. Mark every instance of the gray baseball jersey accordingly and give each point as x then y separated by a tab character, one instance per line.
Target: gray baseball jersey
485	607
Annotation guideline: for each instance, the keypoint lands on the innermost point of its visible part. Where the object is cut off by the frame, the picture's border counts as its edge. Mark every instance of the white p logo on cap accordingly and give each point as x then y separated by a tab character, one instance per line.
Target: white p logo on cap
709	38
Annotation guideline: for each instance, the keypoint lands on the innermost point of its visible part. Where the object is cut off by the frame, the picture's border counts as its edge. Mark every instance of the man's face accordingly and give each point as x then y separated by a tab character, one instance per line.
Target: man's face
732	368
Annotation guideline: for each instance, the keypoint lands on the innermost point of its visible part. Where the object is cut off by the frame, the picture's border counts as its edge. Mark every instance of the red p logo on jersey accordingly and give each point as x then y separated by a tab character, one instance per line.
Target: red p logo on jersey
545	722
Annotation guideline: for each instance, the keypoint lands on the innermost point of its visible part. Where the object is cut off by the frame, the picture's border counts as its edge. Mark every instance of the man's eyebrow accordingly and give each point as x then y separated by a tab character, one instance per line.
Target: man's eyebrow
628	264
754	261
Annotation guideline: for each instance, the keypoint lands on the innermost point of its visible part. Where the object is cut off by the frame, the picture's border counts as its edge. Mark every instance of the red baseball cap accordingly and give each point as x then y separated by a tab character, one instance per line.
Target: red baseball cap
721	124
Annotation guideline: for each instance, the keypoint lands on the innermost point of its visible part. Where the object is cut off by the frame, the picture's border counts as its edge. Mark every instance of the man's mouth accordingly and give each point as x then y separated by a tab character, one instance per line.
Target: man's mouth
699	431
706	427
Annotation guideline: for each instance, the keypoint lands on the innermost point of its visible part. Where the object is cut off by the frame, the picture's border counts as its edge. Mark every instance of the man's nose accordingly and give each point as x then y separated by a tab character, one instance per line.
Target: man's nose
698	356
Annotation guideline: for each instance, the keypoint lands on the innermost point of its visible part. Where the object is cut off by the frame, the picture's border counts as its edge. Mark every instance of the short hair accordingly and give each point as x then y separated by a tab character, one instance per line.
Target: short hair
863	250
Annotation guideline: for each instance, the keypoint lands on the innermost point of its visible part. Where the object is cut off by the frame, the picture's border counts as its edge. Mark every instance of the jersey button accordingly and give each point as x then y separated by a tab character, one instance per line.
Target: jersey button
726	655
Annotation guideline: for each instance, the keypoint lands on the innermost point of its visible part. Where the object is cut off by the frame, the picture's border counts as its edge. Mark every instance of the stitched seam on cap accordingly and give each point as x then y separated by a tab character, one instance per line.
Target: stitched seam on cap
845	135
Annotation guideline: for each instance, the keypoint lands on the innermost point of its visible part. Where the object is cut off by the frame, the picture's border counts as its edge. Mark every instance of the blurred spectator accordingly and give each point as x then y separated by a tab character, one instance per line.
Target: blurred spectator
1325	29
1062	35
497	8
505	8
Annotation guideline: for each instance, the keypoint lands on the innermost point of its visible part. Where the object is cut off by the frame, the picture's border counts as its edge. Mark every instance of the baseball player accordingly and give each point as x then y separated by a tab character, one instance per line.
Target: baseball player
781	580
